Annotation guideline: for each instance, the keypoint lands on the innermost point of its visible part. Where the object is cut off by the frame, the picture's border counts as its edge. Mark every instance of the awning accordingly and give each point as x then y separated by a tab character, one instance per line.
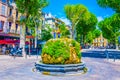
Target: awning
9	34
9	41
41	42
2	42
26	42
30	37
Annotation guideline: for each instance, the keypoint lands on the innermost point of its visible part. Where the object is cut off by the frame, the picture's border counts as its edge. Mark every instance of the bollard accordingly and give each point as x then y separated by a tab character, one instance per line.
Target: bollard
114	58
107	54
37	52
14	56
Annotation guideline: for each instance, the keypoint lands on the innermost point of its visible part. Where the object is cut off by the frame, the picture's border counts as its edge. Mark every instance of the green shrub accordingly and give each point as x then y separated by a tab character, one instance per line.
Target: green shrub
57	51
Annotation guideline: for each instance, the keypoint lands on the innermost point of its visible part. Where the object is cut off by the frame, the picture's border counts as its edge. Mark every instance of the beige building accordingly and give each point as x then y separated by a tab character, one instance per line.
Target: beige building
100	42
9	20
3	14
13	19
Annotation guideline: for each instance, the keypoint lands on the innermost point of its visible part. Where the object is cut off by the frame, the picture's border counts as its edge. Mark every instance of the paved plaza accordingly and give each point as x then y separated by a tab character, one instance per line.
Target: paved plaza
21	69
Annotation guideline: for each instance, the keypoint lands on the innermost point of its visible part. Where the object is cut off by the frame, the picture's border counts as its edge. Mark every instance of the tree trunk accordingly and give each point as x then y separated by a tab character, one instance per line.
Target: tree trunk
72	31
36	36
84	39
116	43
72	34
22	39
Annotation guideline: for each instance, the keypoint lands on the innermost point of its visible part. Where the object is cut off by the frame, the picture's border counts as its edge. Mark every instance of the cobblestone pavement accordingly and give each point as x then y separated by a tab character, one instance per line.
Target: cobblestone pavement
21	69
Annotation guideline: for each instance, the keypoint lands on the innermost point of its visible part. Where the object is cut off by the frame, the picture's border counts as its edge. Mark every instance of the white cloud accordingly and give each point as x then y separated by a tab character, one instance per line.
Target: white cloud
100	18
65	20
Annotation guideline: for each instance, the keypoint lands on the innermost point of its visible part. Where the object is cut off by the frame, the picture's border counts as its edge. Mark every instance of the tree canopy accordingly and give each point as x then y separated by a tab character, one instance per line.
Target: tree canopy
86	27
114	4
64	31
28	8
96	33
46	33
110	28
75	13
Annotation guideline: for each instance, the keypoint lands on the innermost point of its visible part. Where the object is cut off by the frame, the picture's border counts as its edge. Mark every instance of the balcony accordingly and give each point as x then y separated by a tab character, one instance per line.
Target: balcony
10	18
12	31
18	32
17	21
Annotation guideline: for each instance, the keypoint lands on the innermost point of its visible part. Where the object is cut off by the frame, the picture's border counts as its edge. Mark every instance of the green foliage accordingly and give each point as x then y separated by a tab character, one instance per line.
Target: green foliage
64	31
75	13
86	28
31	11
114	4
77	48
96	33
61	48
89	37
30	7
111	26
46	33
56	49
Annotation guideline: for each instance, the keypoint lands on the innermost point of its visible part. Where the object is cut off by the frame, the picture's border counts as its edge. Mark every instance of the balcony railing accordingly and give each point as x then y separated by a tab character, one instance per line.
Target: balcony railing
17	20
12	31
10	18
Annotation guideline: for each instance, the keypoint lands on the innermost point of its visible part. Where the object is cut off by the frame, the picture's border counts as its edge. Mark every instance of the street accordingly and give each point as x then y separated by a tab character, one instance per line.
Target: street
21	69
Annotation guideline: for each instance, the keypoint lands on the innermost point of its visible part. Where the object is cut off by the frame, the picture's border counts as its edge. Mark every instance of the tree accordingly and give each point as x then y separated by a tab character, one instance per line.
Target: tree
89	37
114	4
92	35
96	33
28	8
63	30
111	26
46	33
75	13
85	26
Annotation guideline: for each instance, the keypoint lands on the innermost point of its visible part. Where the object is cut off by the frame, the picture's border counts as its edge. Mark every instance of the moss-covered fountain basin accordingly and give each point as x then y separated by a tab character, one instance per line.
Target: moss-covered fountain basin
61	56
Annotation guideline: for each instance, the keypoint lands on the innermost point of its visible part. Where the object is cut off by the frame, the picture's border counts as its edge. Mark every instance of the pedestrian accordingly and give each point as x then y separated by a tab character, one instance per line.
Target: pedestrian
3	49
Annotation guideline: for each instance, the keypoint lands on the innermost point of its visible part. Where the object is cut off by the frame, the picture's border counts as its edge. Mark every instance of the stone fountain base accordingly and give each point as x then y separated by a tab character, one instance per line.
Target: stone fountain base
67	69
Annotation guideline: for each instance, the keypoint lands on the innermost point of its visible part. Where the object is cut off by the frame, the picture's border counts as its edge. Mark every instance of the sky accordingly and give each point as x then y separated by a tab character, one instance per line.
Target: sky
56	8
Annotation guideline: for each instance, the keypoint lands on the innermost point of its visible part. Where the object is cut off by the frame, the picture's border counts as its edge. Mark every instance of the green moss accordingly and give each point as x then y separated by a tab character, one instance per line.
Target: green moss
60	49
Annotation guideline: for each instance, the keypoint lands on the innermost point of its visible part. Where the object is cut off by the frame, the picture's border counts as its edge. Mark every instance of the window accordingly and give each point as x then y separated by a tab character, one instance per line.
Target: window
1	25
16	14
11	1
16	28
10	24
3	10
26	29
10	13
4	1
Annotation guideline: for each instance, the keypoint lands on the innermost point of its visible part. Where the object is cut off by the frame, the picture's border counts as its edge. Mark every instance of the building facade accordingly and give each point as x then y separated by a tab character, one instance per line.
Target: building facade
3	14
13	19
50	20
9	20
100	42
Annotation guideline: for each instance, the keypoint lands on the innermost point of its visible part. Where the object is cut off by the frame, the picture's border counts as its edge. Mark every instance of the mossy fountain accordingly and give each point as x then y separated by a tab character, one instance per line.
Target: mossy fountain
61	56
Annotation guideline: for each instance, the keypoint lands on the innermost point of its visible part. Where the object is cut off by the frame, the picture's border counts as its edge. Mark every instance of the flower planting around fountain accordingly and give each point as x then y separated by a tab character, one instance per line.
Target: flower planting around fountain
60	56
